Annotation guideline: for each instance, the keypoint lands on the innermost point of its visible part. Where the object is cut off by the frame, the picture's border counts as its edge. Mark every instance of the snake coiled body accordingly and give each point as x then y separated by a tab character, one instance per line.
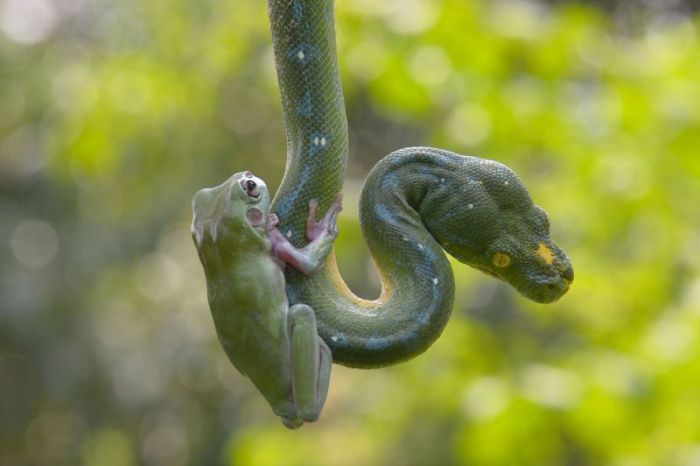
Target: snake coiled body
415	203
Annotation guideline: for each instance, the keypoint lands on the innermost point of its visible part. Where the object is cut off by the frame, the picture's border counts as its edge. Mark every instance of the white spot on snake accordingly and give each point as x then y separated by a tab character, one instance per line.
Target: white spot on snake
289	234
318	142
435	281
442	180
405	238
303	53
340	339
420	246
505	183
470	206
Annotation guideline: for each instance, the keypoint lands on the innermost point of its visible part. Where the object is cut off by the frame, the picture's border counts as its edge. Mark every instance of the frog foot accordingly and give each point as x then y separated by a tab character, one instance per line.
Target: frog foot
327	224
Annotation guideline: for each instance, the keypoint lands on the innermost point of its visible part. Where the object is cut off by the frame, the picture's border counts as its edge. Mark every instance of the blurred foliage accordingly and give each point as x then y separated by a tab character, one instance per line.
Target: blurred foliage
112	114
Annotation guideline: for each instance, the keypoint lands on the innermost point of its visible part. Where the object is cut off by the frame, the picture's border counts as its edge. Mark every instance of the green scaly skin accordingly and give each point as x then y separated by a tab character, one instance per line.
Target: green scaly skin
415	203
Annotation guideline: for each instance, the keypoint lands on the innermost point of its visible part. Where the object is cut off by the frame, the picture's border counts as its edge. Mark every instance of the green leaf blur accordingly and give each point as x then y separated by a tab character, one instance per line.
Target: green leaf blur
112	114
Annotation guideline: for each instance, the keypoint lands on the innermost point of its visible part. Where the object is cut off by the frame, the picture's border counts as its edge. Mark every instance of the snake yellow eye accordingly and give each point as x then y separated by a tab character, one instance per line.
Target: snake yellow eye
501	259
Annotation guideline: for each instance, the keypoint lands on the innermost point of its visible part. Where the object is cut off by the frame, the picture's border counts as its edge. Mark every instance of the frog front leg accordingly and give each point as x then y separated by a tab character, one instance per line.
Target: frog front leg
320	234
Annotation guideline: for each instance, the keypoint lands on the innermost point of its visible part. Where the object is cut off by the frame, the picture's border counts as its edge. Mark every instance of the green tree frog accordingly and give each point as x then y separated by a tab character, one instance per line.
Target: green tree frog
243	255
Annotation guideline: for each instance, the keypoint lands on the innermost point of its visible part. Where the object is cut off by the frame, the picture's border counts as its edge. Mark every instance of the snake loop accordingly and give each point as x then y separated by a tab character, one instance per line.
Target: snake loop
415	203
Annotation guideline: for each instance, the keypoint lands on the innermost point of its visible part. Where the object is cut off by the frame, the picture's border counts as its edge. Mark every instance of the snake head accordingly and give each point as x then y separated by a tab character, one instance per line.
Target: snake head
231	212
523	255
491	223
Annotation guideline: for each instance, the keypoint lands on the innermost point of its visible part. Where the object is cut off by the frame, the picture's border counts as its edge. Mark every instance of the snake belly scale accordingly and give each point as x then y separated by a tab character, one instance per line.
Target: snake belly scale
415	204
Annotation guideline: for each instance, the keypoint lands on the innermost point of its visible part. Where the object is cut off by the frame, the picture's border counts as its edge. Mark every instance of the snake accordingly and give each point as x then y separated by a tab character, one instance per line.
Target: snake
416	205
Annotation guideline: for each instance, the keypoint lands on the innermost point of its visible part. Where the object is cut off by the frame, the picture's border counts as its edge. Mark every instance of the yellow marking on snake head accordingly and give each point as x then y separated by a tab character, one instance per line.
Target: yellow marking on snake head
544	253
501	259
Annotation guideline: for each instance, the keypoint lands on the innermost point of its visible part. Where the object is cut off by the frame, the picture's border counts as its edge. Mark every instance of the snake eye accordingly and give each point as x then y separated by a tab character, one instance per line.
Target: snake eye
500	259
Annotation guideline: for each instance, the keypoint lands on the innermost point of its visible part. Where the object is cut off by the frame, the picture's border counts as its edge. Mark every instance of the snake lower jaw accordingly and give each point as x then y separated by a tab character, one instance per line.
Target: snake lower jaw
488	272
545	291
551	292
555	290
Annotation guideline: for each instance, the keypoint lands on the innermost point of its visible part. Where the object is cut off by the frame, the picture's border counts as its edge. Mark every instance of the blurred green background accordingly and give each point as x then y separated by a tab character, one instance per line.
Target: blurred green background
112	114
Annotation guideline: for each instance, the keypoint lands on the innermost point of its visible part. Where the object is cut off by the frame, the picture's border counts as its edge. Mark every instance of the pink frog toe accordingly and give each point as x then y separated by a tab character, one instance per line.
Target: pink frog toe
327	224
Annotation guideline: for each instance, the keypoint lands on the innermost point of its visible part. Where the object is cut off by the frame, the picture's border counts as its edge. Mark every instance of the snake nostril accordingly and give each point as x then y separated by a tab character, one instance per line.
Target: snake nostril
250	184
568	274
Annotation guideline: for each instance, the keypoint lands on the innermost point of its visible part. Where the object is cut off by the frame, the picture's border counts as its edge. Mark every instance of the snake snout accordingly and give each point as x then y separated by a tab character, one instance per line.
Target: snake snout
567	272
563	267
554	289
550	279
561	275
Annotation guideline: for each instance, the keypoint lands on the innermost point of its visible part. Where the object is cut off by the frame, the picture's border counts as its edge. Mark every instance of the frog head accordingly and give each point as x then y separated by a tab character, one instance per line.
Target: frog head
235	209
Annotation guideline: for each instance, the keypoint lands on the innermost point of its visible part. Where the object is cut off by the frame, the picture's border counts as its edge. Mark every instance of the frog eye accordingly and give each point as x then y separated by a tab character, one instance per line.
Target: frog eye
251	188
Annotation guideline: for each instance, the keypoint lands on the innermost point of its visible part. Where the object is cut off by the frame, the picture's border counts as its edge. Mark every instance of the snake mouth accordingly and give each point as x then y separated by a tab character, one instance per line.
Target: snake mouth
546	288
567	284
555	289
555	283
487	272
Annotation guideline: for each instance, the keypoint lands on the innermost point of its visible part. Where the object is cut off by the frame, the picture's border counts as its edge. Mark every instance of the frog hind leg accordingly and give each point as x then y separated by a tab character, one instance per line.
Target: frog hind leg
324	373
310	363
290	423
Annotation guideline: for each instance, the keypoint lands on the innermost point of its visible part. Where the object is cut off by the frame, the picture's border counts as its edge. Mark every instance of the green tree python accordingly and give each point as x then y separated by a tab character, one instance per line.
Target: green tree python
283	326
415	203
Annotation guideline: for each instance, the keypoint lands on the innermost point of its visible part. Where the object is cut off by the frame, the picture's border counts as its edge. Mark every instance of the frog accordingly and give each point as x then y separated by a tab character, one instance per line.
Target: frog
244	255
